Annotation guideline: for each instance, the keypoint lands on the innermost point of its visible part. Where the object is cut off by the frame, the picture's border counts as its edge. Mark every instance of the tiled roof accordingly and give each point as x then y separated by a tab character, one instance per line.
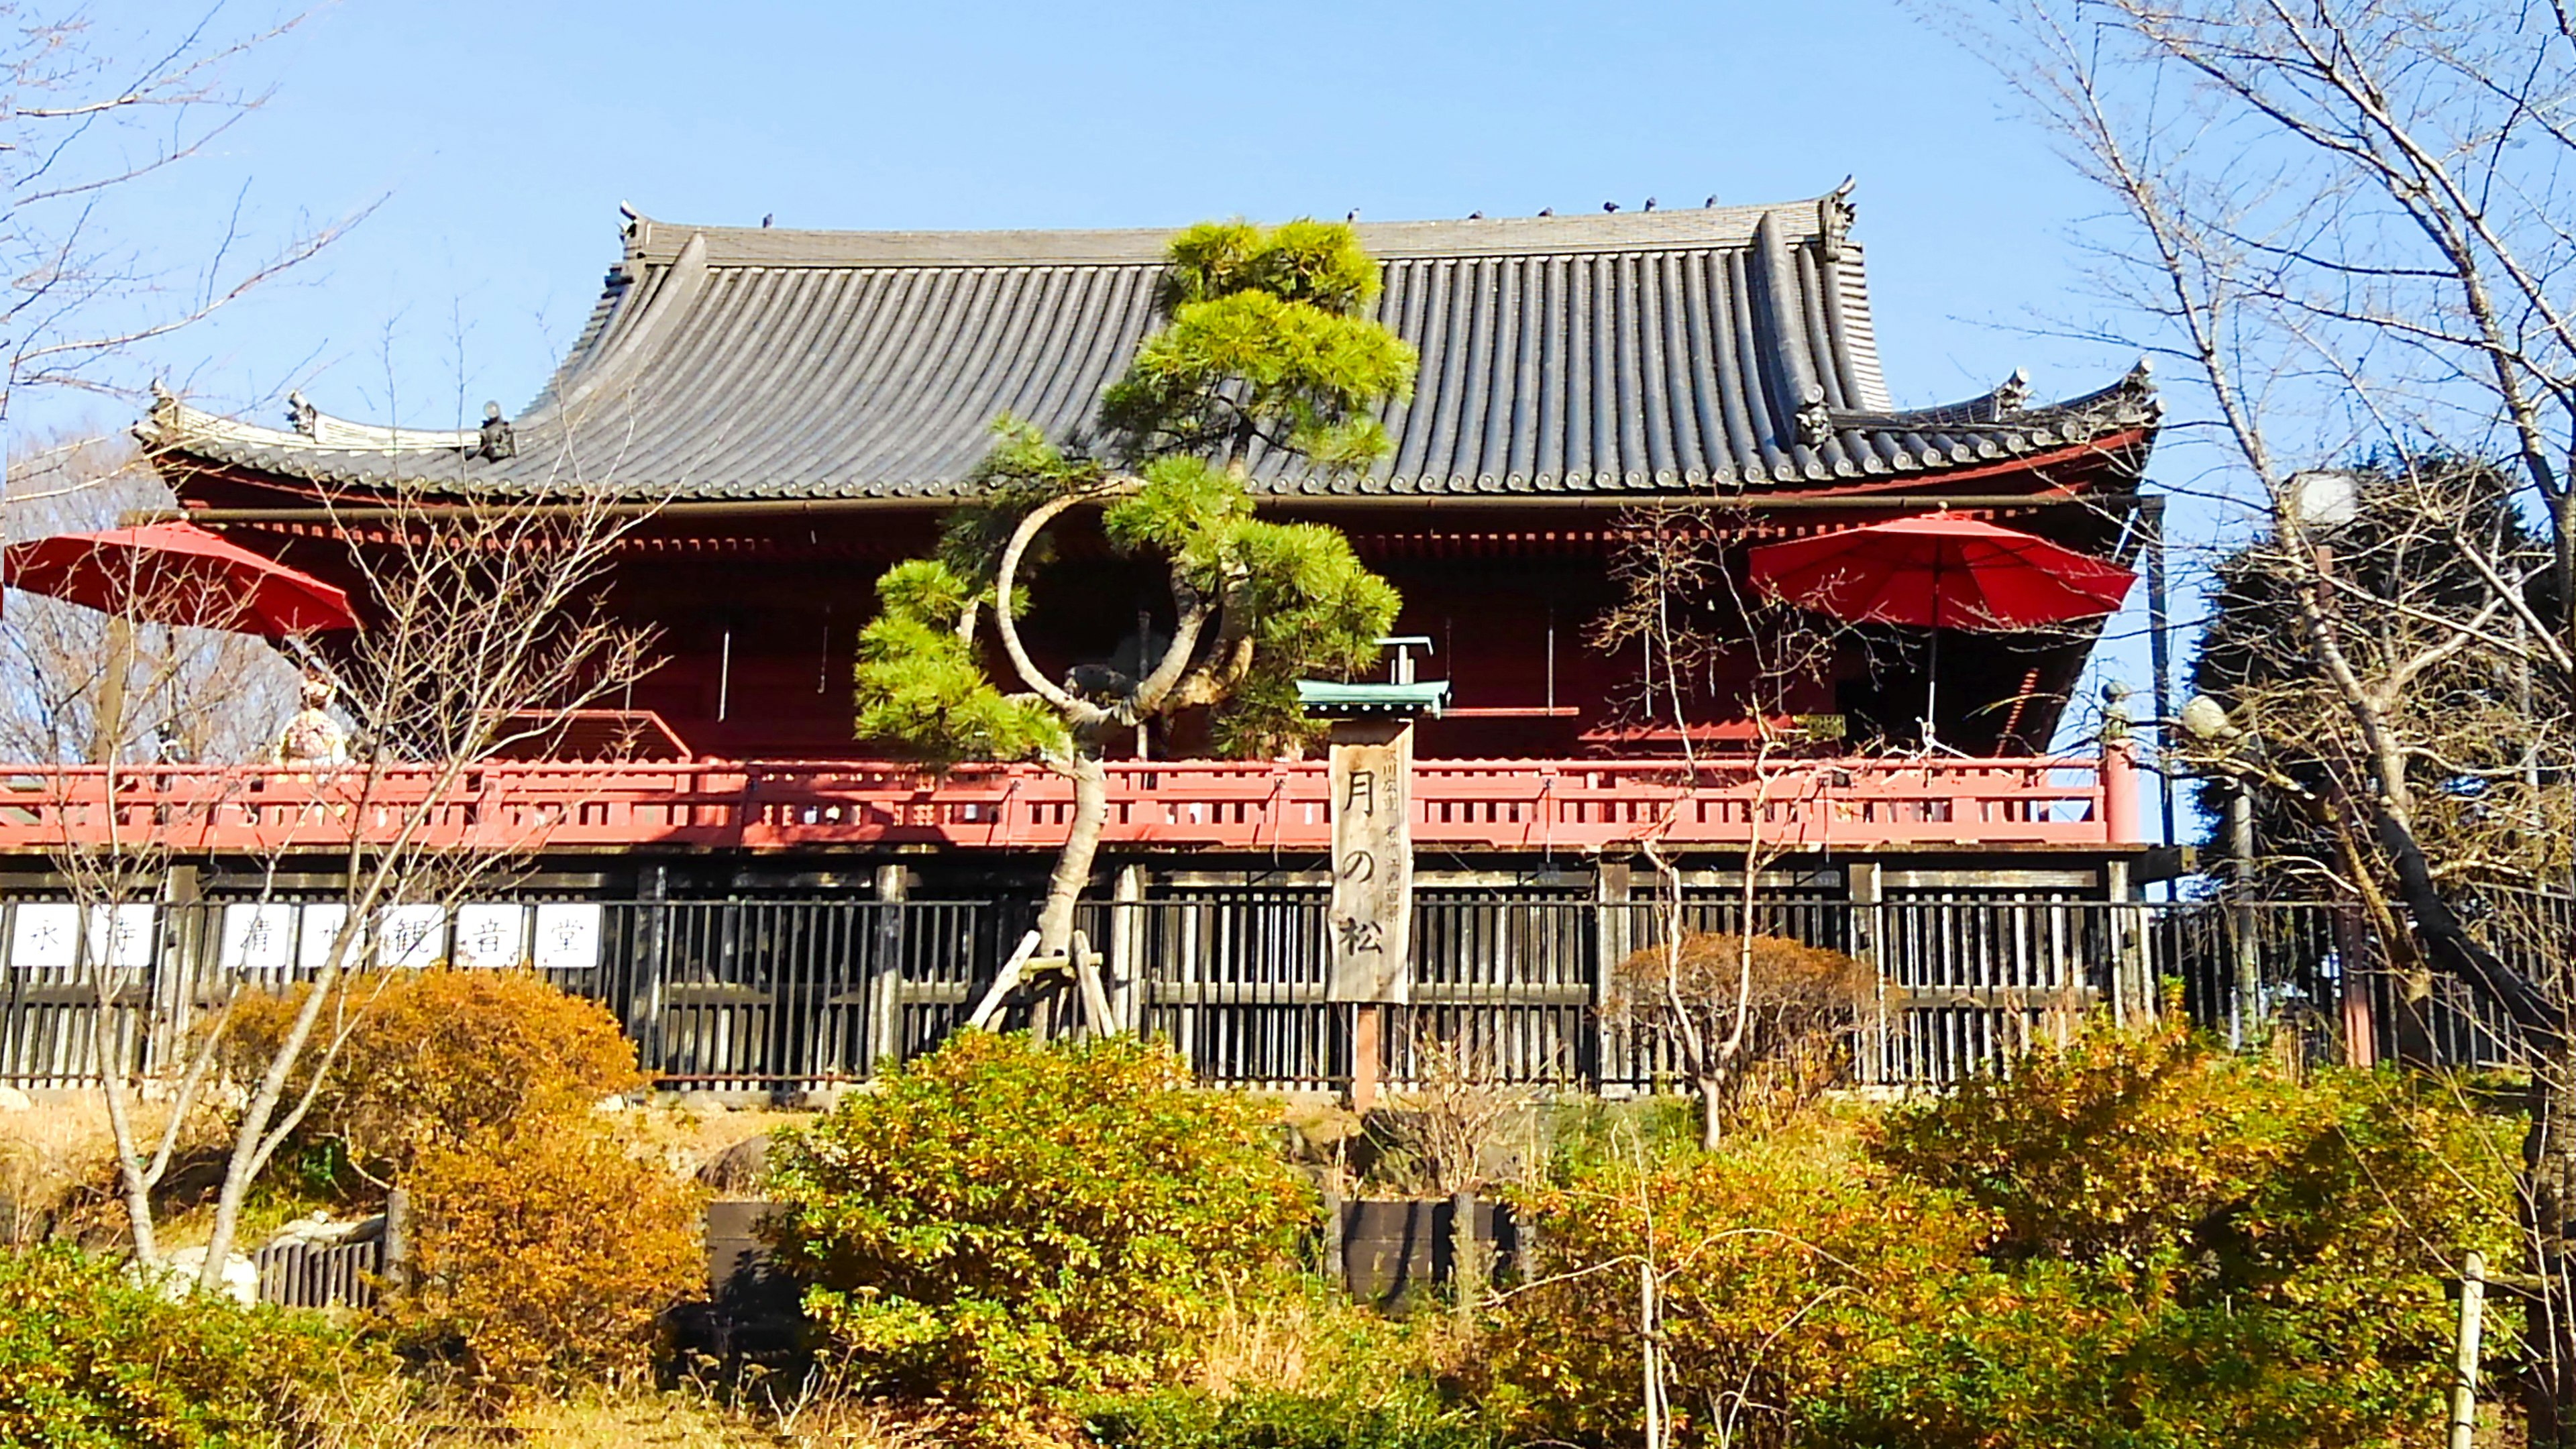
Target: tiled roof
1640	353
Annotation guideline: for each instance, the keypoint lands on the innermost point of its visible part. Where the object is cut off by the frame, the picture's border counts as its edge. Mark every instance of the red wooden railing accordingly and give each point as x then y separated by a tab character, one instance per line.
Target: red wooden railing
1187	804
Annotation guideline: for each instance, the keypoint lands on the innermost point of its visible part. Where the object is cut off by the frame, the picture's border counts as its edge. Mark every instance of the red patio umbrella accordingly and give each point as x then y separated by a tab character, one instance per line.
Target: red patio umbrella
177	573
1938	572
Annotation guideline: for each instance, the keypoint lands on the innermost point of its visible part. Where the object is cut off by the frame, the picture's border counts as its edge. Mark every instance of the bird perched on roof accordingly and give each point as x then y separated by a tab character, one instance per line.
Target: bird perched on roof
1609	206
1712	200
1650	203
1547	211
1475	216
1352	215
767	217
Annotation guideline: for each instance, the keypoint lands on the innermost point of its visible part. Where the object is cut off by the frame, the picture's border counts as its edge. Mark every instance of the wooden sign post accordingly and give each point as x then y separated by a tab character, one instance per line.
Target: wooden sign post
1372	910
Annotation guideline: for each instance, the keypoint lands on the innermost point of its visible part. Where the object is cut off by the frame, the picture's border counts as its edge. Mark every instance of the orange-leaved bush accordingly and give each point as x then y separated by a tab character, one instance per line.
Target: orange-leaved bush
1003	1223
545	1254
435	1057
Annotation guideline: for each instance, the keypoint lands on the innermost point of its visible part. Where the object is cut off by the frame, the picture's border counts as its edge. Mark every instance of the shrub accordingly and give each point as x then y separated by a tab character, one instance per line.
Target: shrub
2139	1240
2264	1252
545	1255
1781	1261
439	1056
1002	1223
1801	1002
89	1359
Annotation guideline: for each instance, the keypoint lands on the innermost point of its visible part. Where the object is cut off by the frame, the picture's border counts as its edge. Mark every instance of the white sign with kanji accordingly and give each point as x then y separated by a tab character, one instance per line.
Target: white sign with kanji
322	923
120	937
491	934
412	937
46	936
567	937
259	937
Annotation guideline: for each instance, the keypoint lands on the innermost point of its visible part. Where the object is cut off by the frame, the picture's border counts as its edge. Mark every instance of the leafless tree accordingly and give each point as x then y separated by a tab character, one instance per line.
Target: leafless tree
2347	220
188	694
1679	605
91	119
482	634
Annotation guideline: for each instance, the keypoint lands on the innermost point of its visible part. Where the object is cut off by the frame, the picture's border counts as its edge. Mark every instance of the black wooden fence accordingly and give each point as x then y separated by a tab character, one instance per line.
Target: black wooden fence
783	996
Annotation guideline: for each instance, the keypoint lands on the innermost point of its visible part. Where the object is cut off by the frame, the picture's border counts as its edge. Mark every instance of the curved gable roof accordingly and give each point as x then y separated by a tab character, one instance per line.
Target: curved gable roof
1639	353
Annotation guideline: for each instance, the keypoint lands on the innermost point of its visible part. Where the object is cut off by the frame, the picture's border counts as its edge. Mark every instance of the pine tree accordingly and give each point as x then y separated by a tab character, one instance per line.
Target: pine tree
1267	352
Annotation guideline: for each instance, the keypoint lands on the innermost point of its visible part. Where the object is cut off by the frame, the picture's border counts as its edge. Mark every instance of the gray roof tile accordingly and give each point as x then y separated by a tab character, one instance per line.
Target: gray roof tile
1636	354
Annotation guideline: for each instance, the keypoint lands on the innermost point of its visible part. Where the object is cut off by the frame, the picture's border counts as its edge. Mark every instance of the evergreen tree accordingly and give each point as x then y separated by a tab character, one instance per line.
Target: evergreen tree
1266	352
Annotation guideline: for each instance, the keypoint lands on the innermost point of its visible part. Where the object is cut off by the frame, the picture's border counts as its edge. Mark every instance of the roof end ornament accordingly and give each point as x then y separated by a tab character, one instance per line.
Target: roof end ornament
2013	394
499	439
2139	387
1815	419
301	414
1835	214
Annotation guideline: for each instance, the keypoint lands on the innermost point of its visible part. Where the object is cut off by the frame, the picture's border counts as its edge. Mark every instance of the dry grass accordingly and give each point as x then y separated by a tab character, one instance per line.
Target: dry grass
611	1419
58	1166
387	1414
45	1152
1313	1341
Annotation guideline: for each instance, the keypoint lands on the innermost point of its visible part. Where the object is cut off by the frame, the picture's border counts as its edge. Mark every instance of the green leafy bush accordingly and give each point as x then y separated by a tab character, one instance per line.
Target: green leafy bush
435	1057
1780	1261
1003	1223
88	1360
545	1255
2138	1240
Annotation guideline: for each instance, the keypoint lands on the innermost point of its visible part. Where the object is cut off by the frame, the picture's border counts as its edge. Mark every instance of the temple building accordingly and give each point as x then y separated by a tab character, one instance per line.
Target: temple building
801	406
806	403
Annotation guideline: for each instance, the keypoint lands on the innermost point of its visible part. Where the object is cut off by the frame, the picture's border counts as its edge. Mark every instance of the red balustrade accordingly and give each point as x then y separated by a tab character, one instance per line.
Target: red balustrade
1183	804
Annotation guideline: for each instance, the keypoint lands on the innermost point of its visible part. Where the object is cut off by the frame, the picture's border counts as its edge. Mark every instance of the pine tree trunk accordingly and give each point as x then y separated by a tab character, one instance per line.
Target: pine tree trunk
1081	843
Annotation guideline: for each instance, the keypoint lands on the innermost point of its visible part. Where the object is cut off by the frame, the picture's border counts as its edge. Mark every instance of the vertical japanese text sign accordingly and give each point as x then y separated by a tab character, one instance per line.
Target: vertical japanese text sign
1372	809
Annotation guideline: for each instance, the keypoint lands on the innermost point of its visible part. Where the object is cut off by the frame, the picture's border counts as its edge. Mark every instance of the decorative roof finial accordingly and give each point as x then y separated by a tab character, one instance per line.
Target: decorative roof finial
1834	216
2014	393
1815	420
499	441
301	414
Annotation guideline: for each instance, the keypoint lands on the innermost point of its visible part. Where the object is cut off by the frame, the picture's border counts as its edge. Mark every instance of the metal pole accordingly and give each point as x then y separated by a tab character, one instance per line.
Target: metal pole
2160	645
2464	1380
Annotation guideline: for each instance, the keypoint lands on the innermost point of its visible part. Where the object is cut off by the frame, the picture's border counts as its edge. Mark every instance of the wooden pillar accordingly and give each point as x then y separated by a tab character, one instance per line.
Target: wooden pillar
1368	1056
170	995
2360	1025
885	970
645	969
2133	991
1613	939
1127	948
1864	889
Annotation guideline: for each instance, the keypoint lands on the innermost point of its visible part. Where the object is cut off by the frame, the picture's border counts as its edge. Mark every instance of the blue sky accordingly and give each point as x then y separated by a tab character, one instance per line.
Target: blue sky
500	138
